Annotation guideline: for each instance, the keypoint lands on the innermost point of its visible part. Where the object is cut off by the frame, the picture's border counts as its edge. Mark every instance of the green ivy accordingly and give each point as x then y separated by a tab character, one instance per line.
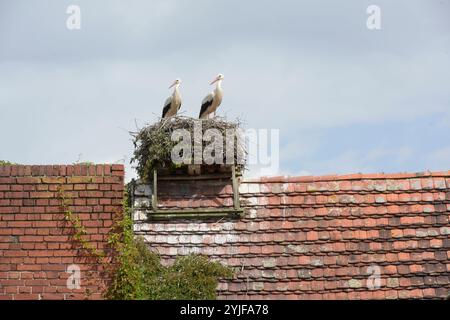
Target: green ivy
80	233
139	274
136	273
192	277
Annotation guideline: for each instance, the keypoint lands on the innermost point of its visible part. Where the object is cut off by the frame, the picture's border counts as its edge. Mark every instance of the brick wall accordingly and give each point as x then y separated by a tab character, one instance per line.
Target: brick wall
36	243
315	237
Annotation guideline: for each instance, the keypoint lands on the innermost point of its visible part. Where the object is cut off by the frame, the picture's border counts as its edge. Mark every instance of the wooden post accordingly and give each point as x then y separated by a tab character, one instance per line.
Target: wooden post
235	188
155	191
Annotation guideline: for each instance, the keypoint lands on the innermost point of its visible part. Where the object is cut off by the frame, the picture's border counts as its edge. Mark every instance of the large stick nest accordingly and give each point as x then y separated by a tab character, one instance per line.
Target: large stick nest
153	143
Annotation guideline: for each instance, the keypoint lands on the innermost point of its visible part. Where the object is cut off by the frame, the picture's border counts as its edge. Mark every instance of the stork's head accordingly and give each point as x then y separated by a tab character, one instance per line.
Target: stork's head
175	83
218	78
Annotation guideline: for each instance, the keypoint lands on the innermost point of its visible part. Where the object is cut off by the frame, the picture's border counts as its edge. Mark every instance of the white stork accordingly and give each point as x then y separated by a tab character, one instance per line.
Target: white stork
212	100
173	103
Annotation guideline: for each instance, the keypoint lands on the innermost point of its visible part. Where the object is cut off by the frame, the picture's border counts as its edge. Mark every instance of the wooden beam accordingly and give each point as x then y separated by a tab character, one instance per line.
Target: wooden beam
192	213
155	191
236	201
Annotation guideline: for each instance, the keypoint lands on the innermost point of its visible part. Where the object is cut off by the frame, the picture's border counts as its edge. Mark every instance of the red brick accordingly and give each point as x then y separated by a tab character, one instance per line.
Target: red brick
17	187
113	180
118	167
79	180
28	180
97	180
42	194
79	187
91	194
29	267
56	238
51	296
7	180
31	239
24	296
41	187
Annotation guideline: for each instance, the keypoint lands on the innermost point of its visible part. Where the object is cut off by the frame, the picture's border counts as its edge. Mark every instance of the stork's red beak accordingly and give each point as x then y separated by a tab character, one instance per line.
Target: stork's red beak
215	80
172	84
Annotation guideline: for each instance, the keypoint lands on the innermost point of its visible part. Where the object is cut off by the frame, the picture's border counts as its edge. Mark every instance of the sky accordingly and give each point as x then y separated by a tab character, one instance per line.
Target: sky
344	98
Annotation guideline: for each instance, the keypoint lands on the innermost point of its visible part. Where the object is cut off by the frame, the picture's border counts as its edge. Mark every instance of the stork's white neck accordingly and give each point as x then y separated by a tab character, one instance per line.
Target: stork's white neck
176	92
219	85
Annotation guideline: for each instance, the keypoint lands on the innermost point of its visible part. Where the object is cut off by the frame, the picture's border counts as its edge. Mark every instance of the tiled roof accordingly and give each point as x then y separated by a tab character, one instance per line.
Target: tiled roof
318	237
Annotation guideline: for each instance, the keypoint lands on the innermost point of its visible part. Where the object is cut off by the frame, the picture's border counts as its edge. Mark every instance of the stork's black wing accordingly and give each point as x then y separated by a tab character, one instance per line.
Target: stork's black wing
206	103
166	107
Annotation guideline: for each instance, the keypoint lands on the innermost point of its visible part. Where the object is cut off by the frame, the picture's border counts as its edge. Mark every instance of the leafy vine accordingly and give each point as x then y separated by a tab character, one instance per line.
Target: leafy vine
136	273
80	231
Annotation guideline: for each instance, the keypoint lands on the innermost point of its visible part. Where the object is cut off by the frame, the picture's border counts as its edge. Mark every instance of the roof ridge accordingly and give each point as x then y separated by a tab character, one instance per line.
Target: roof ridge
354	176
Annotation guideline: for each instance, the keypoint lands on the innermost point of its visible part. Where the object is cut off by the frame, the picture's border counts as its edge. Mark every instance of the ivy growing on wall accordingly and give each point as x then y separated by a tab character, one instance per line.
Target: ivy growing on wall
136	273
139	273
80	233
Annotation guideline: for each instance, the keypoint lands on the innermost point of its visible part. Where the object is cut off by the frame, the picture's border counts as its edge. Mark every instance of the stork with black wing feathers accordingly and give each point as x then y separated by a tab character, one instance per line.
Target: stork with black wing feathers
173	103
212	100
